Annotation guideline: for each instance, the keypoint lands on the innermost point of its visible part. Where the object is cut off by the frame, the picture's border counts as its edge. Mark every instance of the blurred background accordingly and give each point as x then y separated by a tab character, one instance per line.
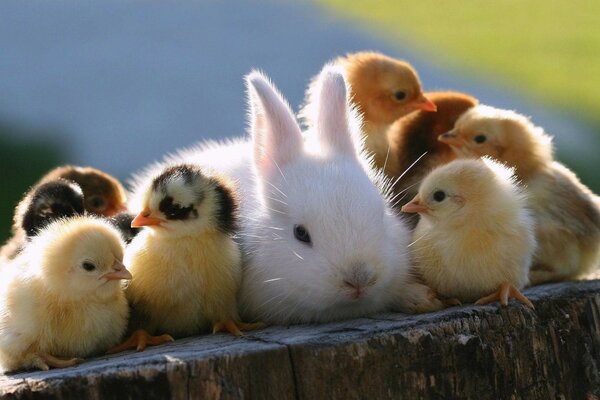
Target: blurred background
116	84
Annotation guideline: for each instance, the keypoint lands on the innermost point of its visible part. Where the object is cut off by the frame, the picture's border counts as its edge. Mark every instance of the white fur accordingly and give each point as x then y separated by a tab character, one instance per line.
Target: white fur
329	191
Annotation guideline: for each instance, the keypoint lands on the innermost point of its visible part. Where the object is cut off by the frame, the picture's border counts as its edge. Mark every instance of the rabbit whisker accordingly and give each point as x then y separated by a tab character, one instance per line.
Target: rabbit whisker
277	211
386	157
277	200
408	169
297	255
276	188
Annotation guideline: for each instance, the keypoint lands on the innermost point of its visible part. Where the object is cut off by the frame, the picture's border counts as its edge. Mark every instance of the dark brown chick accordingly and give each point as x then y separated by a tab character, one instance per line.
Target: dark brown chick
416	134
103	194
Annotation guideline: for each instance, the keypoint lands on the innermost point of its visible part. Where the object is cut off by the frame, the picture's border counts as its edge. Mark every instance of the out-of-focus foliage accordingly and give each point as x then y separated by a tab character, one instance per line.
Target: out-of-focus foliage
547	50
22	163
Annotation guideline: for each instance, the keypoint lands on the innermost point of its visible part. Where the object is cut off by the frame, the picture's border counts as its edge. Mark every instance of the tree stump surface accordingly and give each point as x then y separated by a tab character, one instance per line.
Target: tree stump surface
468	352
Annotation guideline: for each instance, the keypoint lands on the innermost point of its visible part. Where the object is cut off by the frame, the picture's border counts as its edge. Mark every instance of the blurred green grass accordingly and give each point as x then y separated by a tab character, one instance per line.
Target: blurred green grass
546	50
22	163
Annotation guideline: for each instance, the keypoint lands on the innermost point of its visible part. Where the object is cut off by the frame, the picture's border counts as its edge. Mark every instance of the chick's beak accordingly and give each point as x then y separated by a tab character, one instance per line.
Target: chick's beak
450	139
414	206
426	105
144	219
119	272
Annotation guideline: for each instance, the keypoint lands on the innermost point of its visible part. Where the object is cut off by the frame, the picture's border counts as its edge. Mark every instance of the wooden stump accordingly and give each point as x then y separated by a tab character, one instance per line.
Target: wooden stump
469	352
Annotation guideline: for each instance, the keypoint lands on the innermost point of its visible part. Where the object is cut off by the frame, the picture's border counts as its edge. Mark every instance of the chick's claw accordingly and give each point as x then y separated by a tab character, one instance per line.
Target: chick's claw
139	340
504	292
236	328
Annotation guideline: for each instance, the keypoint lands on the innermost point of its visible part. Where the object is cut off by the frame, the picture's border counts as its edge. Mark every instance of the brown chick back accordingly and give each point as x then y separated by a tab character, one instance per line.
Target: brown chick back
95	184
410	137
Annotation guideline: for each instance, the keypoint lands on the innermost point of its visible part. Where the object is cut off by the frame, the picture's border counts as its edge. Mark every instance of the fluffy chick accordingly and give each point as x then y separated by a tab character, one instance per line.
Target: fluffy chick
186	267
383	89
122	222
40	206
104	195
414	146
61	298
475	240
567	213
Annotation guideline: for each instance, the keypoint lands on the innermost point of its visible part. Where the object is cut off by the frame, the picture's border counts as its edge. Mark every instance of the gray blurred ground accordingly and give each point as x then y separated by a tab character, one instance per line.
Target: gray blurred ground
127	81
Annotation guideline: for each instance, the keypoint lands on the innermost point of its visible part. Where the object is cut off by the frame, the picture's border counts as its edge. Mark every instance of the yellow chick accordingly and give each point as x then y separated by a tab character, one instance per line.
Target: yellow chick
567	213
383	89
61	298
186	267
475	240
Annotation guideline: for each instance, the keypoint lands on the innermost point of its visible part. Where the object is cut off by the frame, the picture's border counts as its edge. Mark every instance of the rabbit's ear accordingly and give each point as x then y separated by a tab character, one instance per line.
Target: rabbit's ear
276	134
333	111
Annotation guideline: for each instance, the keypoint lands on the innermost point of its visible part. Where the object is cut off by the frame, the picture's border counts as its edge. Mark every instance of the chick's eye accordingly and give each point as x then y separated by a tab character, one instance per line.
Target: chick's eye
439	196
97	203
480	139
88	266
400	95
301	233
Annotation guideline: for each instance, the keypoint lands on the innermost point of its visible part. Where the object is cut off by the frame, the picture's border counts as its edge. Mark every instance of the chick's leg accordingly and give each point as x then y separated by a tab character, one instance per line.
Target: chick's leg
139	340
502	295
55	362
235	327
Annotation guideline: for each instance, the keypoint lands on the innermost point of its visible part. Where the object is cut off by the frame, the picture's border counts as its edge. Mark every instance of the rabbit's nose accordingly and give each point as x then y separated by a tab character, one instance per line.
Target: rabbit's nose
358	277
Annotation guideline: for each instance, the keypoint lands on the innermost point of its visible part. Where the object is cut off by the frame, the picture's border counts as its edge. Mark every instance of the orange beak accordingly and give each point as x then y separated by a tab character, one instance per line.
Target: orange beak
414	206
426	105
119	272
144	219
450	139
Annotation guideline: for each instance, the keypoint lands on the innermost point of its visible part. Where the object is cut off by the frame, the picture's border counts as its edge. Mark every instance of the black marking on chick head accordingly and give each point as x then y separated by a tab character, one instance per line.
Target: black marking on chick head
174	211
227	207
122	222
185	171
170	206
51	201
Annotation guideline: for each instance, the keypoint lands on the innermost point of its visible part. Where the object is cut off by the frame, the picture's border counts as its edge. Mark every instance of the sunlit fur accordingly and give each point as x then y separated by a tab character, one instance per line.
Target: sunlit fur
566	211
186	273
281	184
374	78
416	135
479	236
50	304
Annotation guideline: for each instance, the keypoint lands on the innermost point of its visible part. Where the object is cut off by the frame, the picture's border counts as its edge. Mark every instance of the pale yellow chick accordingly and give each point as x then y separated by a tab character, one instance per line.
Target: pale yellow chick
61	298
567	213
186	267
475	240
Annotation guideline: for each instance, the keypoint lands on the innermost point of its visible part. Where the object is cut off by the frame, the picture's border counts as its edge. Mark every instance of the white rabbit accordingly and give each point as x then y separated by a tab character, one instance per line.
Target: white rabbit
320	241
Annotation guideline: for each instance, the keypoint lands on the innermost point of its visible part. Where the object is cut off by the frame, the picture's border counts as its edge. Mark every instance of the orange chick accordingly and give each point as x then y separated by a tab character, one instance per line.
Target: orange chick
414	146
383	89
567	213
475	240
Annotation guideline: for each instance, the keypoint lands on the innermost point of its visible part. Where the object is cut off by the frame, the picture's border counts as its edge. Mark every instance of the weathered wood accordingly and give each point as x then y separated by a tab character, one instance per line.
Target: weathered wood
470	352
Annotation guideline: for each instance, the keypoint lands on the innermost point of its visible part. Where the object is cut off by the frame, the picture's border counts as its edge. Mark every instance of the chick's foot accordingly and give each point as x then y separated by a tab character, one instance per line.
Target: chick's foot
504	292
235	327
50	361
139	340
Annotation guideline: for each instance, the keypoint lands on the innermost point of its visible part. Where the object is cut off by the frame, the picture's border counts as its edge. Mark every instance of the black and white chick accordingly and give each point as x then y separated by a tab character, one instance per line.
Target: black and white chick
185	264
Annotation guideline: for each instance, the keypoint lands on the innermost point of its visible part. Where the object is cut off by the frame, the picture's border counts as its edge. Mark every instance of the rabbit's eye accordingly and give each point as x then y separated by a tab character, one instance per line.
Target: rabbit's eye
301	233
